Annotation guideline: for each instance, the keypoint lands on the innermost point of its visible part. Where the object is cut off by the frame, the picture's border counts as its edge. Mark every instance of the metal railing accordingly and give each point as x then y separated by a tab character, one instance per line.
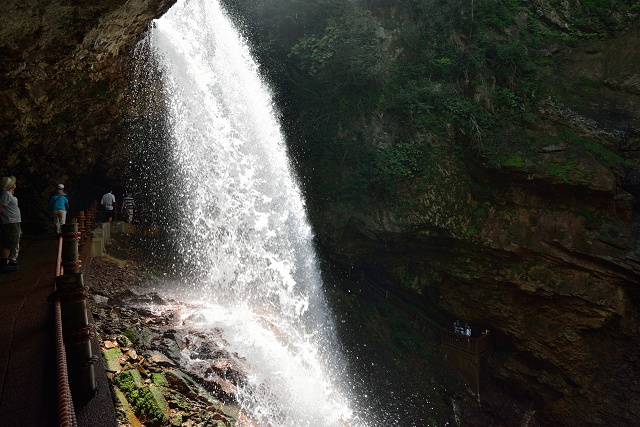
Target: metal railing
73	331
471	345
119	210
66	412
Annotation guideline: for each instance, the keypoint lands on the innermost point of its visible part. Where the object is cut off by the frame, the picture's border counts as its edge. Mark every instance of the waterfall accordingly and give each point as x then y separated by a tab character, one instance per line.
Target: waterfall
240	224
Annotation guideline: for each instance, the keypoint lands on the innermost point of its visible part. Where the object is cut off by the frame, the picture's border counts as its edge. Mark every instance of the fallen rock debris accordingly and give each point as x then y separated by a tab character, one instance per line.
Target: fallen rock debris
164	371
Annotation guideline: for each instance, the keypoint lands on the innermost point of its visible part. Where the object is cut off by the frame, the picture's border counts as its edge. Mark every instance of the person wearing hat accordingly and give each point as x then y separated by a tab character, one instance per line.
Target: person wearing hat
58	207
10	217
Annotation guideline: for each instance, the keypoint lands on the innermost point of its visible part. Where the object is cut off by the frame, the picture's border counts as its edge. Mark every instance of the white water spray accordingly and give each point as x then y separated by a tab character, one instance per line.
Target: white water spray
244	229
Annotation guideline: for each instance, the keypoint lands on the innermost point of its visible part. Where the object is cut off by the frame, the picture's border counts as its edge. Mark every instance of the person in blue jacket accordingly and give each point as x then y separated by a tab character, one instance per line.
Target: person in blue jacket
58	207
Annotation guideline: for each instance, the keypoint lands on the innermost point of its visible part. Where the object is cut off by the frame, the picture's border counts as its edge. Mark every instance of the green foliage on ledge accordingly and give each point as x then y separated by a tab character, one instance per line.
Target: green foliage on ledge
369	88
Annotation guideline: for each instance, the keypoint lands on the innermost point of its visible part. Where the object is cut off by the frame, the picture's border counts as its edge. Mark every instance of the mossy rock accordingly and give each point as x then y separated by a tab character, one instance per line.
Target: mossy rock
127	409
145	336
188	387
124	340
151	404
128	381
175	420
112	359
178	400
159	380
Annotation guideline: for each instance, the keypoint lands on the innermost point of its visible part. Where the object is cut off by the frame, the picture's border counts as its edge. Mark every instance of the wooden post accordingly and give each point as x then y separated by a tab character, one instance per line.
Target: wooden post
88	223
70	240
81	229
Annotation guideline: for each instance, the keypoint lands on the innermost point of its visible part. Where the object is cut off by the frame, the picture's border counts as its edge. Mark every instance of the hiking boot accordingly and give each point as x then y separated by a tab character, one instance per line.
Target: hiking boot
10	268
5	267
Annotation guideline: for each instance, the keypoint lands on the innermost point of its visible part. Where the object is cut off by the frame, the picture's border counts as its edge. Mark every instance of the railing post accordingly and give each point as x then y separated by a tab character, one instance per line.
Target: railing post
81	229
94	215
88	223
70	240
75	322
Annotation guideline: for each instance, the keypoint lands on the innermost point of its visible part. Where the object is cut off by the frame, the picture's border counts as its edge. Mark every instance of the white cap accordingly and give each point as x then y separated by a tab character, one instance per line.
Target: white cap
60	186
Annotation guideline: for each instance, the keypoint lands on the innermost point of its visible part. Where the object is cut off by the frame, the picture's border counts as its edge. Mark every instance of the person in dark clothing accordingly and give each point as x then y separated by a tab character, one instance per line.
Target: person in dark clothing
128	205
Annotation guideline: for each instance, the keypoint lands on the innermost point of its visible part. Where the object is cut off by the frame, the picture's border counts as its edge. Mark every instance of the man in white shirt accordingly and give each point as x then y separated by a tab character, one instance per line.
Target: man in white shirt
108	200
10	216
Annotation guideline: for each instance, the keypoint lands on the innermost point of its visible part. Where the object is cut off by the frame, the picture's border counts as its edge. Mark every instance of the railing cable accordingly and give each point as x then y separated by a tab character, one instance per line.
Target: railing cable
66	412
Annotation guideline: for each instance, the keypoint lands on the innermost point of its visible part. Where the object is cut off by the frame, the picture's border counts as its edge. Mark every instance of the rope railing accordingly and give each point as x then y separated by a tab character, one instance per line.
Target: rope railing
120	210
74	359
66	413
471	345
475	346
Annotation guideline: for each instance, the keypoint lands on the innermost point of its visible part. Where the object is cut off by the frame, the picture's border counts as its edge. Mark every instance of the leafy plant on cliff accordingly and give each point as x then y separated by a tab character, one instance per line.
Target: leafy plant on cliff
603	153
365	87
346	52
400	162
562	171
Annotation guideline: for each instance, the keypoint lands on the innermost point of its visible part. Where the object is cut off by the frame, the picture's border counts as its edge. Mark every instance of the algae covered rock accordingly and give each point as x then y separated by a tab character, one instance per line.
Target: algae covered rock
124	340
184	384
112	359
125	407
152	405
159	380
175	420
128	381
147	401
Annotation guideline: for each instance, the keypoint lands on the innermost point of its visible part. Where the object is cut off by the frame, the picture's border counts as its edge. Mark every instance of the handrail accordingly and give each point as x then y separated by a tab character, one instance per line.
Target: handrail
66	413
475	346
59	267
471	345
119	210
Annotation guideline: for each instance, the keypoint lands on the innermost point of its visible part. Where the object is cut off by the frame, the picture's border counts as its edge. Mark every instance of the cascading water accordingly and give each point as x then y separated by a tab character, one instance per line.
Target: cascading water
242	230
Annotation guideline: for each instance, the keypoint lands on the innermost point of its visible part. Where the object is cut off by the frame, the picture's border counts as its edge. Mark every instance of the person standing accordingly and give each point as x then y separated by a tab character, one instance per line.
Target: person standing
108	200
58	207
467	332
129	205
11	231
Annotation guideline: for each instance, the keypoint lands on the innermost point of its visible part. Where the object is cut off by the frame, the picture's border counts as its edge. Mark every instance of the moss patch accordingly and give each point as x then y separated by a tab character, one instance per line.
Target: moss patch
112	359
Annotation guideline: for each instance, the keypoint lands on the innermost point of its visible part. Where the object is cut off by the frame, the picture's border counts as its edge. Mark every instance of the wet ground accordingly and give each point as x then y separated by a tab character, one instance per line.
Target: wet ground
150	341
397	372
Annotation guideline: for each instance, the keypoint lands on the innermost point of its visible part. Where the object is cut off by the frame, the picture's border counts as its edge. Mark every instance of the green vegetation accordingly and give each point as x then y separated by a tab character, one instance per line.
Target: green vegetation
514	161
562	171
147	400
607	156
130	334
376	94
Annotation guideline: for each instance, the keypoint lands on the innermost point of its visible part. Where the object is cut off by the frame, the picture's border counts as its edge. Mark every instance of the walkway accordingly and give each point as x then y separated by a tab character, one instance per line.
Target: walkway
27	346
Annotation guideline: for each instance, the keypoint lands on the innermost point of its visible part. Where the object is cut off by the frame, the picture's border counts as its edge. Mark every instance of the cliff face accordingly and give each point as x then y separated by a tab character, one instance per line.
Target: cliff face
532	234
535	239
62	94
